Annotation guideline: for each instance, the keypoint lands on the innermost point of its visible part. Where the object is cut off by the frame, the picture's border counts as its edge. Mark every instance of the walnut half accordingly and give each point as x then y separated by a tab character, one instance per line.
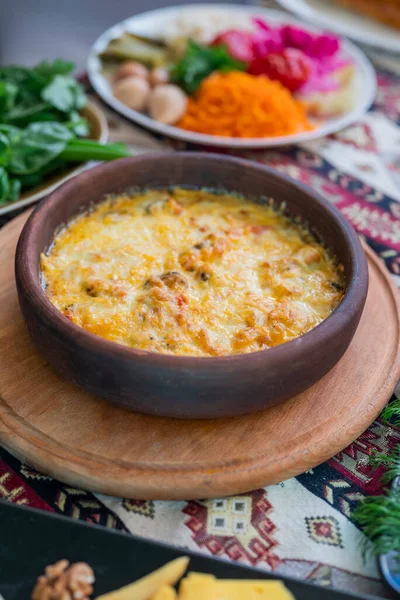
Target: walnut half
64	582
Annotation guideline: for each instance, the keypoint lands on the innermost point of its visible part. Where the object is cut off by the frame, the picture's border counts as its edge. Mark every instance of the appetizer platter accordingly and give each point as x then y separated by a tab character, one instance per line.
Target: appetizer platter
100	563
371	22
229	75
48	132
334	393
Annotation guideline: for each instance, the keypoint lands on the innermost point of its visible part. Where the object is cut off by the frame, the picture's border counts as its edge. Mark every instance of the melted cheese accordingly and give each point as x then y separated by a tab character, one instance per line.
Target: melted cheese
191	273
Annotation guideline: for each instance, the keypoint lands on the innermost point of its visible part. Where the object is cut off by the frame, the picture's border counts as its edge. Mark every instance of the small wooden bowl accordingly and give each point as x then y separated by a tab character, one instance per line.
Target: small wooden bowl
184	386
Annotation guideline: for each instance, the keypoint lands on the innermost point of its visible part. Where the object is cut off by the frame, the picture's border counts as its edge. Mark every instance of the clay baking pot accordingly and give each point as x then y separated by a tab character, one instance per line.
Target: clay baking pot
184	386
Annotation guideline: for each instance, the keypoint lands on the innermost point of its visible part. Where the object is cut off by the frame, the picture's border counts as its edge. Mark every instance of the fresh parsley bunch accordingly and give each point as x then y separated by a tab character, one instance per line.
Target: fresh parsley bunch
41	126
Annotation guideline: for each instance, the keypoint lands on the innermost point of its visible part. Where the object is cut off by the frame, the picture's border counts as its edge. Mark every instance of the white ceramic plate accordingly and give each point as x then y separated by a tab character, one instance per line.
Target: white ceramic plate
325	13
157	22
99	128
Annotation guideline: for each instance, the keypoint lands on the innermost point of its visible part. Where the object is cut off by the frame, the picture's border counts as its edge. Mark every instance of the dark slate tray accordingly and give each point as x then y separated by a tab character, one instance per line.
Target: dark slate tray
31	539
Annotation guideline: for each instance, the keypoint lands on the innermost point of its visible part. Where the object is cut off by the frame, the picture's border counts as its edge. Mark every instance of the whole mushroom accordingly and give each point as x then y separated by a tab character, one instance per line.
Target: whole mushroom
132	91
158	76
131	68
167	103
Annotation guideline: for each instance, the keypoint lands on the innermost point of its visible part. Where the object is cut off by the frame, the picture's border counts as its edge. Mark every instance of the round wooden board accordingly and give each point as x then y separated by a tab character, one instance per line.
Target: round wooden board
86	442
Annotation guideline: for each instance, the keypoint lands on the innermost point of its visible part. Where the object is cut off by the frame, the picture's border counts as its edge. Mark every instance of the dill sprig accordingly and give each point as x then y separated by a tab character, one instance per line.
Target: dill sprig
379	516
391	413
391	462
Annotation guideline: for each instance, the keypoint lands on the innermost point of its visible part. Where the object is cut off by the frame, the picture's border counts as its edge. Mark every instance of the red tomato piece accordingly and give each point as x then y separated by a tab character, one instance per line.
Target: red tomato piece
257	229
291	67
239	44
181	300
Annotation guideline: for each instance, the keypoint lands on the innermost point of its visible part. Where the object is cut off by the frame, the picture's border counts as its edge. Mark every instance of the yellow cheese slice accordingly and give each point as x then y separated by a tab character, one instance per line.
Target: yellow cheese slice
145	588
205	587
166	592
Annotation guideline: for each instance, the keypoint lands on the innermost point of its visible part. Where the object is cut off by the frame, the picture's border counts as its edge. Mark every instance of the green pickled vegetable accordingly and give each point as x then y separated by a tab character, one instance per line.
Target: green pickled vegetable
133	47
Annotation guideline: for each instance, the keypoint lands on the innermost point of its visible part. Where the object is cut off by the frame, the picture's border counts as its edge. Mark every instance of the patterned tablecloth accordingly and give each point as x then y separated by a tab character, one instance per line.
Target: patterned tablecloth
300	527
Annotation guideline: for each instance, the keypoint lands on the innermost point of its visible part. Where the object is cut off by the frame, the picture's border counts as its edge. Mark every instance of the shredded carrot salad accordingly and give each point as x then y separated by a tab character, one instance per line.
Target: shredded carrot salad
237	104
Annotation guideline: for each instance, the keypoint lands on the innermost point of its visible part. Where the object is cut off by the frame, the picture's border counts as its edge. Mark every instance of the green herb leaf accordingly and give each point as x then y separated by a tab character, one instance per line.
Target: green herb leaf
4	185
14	74
64	93
30	82
84	150
23	113
79	125
10	132
37	146
379	517
30	154
199	62
391	413
5	149
40	126
14	191
51	130
34	179
57	67
8	95
391	462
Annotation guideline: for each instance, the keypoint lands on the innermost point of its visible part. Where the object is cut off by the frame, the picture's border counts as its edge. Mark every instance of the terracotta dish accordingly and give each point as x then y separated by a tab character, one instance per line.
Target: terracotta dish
185	386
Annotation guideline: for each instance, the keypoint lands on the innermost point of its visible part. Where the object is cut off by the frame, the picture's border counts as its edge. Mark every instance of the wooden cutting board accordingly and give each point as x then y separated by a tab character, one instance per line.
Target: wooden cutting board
86	442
